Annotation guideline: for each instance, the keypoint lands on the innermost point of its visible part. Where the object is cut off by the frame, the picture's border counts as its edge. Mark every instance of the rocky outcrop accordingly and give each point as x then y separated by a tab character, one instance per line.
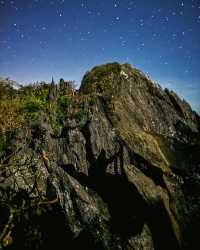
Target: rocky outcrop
124	175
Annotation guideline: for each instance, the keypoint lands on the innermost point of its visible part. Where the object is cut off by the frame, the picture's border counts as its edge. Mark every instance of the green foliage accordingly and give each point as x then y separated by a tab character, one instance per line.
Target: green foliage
30	101
6	88
5	140
3	143
92	99
60	111
65	103
100	78
32	107
81	114
56	125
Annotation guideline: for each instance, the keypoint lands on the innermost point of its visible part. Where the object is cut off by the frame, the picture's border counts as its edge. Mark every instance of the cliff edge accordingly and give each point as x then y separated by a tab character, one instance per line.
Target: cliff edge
113	165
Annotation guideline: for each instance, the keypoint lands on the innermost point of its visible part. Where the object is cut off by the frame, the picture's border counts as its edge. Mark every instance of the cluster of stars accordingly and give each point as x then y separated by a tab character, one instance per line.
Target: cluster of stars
115	20
132	28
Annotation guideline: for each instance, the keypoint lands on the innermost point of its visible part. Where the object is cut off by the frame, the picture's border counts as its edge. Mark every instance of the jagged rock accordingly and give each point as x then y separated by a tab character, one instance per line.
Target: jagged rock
123	175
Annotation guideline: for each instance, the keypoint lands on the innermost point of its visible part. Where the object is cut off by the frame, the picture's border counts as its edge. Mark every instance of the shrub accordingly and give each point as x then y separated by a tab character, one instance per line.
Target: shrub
32	107
65	103
10	116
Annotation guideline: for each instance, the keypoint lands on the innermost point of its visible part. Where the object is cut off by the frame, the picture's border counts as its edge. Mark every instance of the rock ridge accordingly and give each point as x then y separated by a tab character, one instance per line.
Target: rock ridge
113	165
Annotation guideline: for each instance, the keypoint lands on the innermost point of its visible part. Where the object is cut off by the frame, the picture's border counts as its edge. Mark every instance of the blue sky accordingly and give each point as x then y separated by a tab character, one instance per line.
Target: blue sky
63	38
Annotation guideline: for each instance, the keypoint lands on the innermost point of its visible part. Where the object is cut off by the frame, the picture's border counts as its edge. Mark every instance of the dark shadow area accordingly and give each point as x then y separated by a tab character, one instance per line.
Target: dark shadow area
126	207
153	172
34	226
161	228
129	212
86	241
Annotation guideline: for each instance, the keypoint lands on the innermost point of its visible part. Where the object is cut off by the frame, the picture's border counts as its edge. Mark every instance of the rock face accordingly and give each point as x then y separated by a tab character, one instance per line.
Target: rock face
124	175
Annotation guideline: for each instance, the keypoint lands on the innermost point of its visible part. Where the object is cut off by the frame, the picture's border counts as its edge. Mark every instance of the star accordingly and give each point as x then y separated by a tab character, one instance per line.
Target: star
95	27
154	36
123	43
166	19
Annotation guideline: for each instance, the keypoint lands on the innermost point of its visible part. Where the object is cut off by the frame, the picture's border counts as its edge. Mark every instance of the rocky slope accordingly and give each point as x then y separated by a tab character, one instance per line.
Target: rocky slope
114	165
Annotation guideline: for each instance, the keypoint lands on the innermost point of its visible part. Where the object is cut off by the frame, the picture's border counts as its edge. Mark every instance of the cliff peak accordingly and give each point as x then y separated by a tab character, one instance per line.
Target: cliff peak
114	165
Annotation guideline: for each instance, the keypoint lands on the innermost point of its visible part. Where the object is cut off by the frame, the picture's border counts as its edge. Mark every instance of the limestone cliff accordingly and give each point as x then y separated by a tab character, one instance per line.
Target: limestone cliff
114	165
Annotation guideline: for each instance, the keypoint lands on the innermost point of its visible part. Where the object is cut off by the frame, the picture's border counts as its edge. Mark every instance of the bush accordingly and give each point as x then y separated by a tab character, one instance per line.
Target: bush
10	115
33	107
65	103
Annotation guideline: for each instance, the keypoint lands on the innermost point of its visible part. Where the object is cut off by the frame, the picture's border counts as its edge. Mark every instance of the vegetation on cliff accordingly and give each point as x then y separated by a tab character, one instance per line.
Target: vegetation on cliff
114	165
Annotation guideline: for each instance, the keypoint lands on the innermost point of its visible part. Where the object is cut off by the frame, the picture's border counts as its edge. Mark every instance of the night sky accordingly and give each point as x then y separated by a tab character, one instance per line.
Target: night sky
65	38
